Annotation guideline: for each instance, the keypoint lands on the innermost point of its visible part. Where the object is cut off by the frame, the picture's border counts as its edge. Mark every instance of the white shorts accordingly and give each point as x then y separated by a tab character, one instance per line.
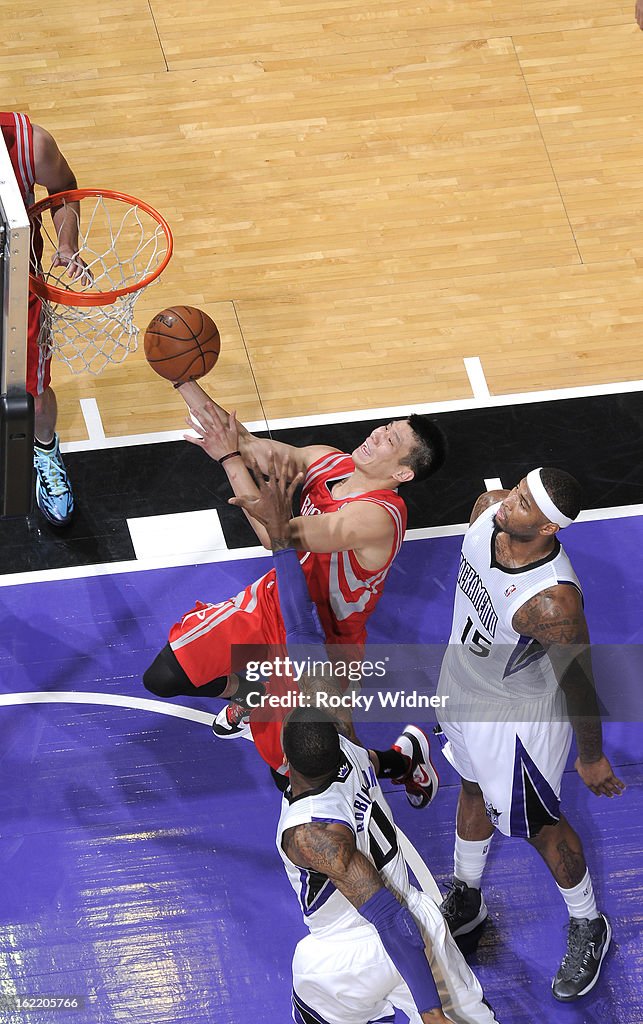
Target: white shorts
517	764
347	977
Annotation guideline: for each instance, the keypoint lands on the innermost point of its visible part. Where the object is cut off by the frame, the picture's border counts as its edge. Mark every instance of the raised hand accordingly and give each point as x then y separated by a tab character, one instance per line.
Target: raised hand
216	435
272	506
77	269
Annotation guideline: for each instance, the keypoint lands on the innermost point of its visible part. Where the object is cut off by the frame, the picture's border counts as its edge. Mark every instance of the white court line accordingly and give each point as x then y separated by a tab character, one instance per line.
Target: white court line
494	484
418	867
477	379
112	700
239	554
382	413
107	699
78	572
93	421
432	532
411	856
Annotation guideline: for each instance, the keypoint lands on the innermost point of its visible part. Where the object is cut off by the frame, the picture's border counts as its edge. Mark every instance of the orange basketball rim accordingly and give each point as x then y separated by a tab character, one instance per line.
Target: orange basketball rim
120	245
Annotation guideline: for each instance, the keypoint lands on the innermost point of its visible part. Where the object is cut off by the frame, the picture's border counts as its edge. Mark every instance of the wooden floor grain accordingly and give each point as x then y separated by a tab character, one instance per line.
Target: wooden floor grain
362	195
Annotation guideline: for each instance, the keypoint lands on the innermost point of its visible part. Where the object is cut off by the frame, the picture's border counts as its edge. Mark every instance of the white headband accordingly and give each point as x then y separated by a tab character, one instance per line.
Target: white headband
544	502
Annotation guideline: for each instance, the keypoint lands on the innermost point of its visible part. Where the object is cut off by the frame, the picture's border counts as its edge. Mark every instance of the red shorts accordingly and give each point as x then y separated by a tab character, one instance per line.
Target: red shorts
214	640
210	640
38	359
204	640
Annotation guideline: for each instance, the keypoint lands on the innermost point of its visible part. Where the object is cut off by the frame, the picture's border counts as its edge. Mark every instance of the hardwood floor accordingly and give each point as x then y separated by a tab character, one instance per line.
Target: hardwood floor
362	195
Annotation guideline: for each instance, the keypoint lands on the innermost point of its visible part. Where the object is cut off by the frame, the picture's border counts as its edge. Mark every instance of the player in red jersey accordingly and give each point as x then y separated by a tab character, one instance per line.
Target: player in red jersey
36	160
350	528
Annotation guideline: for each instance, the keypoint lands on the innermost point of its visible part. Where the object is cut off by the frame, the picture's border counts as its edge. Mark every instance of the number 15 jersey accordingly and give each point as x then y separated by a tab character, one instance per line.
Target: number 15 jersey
485	652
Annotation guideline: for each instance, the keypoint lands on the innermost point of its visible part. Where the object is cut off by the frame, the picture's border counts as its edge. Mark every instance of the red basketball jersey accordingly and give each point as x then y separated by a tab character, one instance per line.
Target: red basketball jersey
18	136
343	590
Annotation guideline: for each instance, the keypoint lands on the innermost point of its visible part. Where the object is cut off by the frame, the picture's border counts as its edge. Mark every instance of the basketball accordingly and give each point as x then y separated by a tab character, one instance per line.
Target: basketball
182	343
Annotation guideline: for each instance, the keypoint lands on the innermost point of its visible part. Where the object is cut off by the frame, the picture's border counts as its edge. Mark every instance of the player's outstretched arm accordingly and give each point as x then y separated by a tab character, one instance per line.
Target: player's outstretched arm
273	509
256	449
219	438
52	170
271	504
330	849
555	618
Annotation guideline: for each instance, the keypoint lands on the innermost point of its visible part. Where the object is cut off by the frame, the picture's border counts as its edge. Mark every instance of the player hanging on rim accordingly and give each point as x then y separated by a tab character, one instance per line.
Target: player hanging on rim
518	676
351	527
36	160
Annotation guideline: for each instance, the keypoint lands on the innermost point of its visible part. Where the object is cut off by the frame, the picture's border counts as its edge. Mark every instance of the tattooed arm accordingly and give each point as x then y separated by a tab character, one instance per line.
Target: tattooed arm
555	618
484	501
329	848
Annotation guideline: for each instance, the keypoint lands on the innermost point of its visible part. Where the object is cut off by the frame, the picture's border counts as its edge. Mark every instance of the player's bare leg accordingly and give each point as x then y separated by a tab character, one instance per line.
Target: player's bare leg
45	415
53	489
561	849
464	908
472	821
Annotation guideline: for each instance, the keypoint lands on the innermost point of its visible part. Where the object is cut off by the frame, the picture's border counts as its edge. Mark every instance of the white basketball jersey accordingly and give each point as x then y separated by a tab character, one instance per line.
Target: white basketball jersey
352	798
485	651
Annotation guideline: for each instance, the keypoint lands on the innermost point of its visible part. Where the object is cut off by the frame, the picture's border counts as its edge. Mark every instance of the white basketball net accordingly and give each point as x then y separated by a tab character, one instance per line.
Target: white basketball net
119	244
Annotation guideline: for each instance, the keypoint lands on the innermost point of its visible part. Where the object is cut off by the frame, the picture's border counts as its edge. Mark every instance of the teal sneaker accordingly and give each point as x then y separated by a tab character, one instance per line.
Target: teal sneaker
53	491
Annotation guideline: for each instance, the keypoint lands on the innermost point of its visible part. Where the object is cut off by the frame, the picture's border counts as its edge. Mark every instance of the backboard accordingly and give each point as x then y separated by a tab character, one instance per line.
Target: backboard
16	406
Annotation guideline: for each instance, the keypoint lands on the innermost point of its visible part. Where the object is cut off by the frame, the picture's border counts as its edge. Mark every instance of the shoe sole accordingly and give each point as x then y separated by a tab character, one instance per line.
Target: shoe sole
588	988
471	926
422	740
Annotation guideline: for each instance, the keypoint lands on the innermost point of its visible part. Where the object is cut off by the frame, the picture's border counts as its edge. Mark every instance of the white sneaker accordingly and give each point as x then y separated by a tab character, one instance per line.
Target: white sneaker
421	780
232	722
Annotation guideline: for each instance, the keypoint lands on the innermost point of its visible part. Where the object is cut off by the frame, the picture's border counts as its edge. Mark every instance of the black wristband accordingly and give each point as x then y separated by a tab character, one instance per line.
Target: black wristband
230	455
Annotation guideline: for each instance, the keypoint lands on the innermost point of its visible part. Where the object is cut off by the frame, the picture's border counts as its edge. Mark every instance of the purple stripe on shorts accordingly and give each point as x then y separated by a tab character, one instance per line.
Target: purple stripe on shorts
523	765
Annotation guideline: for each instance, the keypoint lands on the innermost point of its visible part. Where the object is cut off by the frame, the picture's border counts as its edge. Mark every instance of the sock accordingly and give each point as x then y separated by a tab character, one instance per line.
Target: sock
245	688
580	900
212	689
469	859
45	446
392	763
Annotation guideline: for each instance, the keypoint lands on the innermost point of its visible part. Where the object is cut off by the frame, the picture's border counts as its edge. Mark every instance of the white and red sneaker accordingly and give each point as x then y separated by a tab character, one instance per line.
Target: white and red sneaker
232	722
421	780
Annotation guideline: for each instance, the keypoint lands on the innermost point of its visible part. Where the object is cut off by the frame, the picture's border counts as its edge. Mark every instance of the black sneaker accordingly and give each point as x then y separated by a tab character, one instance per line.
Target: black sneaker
587	944
463	908
232	722
421	780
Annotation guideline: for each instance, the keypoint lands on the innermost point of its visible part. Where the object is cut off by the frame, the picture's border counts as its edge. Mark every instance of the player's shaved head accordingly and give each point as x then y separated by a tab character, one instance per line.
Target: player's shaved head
311	742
